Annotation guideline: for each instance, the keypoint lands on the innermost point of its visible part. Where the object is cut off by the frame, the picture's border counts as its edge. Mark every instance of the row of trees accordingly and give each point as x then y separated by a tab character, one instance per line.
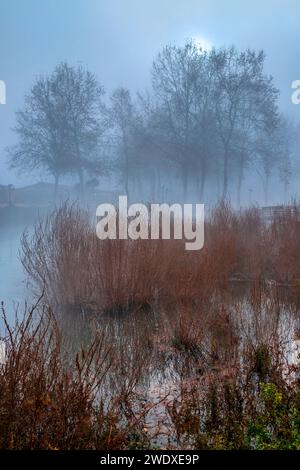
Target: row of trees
209	117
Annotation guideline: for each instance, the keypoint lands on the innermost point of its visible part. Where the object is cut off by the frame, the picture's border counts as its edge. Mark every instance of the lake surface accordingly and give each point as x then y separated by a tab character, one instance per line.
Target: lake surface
13	281
12	277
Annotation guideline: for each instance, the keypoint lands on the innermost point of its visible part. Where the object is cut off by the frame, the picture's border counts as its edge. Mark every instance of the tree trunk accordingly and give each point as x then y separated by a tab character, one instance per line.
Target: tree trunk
225	175
140	188
56	179
240	181
266	190
159	186
153	185
202	179
185	178
81	182
218	176
285	190
126	174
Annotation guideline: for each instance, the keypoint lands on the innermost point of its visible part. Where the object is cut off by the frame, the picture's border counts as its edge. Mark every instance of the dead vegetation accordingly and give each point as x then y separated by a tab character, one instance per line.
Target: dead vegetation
140	343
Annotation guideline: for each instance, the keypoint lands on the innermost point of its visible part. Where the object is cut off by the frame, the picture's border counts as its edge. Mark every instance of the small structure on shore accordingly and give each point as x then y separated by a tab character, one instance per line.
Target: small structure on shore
269	212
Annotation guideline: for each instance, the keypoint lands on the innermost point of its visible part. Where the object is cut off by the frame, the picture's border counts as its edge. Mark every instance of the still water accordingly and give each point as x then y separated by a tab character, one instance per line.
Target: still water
14	292
12	277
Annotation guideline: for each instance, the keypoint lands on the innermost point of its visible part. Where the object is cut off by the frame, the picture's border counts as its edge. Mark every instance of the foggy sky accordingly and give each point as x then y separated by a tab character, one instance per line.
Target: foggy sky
118	39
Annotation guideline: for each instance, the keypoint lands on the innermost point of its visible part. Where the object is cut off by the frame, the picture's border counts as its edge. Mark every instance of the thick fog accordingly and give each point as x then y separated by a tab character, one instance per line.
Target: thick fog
149	226
118	41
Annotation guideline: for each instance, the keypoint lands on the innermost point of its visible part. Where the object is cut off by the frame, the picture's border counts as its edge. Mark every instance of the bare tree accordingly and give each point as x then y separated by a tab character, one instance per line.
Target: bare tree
288	145
245	98
269	154
121	114
61	126
210	110
174	76
79	97
41	131
205	144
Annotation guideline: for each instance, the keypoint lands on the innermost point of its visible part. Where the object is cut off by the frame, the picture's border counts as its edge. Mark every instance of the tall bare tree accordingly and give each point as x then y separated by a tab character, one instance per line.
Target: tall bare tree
174	77
245	99
61	127
122	116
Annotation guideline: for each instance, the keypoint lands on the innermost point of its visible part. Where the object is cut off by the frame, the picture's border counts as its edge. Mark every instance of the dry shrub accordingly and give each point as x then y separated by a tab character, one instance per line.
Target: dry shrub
65	258
219	357
50	399
79	271
285	229
172	318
